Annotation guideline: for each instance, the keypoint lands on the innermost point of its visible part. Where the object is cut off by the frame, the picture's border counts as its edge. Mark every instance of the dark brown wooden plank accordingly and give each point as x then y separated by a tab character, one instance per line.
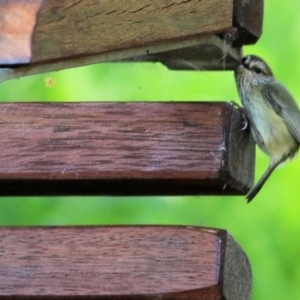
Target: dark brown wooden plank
248	19
124	149
122	263
53	35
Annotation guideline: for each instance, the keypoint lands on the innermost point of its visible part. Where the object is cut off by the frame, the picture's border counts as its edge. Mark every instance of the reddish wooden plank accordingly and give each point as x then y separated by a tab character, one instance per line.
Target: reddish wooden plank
124	149
123	263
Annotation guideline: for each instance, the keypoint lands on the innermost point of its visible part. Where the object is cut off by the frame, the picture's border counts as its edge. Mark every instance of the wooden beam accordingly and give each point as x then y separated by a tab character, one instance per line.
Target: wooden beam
111	25
61	30
124	149
122	263
52	35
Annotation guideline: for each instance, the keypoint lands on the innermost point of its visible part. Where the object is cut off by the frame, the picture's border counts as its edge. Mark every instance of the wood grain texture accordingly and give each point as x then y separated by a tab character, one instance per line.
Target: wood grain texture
109	25
121	263
81	32
124	149
66	29
17	22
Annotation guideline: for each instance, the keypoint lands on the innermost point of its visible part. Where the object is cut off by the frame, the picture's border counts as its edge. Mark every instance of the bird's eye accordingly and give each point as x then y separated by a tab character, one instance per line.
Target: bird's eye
245	62
257	70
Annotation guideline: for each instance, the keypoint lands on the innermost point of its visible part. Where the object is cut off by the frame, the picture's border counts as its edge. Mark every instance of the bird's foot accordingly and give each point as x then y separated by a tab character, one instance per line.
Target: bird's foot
244	114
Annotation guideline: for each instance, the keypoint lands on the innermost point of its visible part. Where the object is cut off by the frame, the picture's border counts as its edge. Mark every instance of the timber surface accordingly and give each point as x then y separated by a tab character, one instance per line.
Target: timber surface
44	31
122	263
124	149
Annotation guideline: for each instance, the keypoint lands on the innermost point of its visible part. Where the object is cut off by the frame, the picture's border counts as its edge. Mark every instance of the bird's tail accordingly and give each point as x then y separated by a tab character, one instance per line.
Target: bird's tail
256	188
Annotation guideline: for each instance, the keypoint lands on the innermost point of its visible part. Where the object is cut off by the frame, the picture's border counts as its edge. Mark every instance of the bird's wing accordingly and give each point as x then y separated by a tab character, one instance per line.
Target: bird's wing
284	105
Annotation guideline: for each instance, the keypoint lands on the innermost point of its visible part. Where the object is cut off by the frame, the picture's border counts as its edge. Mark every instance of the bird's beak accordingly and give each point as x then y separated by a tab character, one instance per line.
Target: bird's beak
239	65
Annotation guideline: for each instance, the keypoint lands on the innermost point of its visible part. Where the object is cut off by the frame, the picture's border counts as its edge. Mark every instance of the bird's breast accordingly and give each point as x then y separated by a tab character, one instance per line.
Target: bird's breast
275	138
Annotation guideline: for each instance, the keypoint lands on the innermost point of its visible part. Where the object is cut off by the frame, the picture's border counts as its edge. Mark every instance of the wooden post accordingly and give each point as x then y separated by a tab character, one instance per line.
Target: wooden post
122	263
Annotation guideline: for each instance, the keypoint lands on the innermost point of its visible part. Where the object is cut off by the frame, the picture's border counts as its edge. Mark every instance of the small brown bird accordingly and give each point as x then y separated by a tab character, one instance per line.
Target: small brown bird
272	113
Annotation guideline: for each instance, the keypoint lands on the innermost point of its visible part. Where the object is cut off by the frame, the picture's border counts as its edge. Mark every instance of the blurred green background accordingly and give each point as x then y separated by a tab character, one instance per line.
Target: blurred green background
268	229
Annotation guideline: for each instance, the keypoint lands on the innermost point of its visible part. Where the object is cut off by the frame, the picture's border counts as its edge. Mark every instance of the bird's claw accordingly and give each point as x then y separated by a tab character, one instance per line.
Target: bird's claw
236	105
244	114
245	123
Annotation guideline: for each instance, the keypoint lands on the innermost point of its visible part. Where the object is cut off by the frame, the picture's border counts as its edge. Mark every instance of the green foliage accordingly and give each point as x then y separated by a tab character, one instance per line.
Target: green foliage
268	228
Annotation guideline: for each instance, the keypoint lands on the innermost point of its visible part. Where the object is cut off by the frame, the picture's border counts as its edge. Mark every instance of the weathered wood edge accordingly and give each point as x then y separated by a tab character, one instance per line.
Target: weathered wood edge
239	146
248	19
236	274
